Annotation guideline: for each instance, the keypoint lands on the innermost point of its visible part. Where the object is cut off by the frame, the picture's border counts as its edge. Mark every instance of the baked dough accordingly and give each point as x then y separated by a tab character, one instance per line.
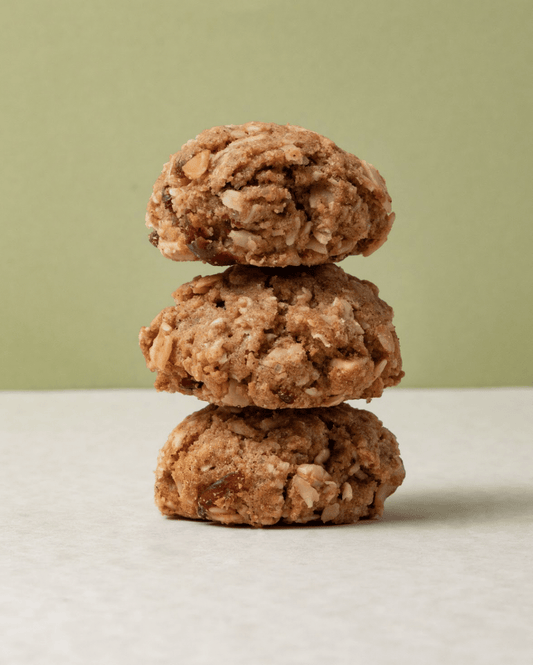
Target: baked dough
275	338
251	466
267	195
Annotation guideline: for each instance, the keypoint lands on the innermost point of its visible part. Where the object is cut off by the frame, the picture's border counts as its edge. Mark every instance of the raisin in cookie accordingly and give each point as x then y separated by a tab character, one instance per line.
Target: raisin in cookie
267	195
251	466
275	338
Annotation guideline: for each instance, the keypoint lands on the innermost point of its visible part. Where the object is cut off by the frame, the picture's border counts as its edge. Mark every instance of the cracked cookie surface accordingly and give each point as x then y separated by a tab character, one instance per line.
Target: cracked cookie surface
267	195
275	338
252	466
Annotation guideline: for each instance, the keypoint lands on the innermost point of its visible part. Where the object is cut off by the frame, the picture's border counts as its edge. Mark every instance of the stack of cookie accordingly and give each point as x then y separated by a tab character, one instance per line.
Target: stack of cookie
281	339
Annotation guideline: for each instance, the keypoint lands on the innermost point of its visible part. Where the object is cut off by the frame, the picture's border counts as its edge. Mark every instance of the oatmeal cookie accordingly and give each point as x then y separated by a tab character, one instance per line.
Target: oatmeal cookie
251	466
275	338
267	195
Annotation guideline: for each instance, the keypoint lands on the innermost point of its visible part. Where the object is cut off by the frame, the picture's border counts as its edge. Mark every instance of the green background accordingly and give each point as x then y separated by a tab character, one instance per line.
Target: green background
96	95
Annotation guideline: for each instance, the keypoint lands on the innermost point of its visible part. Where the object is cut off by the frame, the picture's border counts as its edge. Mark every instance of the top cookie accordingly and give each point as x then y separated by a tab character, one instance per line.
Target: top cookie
267	195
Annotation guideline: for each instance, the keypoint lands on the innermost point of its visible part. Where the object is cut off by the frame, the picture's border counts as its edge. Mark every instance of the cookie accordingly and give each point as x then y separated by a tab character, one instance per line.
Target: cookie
267	195
275	338
251	466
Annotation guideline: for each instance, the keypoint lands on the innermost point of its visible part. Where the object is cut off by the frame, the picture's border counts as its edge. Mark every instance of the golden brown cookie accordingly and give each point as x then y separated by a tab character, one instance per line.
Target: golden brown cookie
275	338
267	195
251	466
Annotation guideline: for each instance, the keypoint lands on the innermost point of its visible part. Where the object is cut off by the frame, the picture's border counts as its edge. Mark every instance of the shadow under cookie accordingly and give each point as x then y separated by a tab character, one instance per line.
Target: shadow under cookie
463	506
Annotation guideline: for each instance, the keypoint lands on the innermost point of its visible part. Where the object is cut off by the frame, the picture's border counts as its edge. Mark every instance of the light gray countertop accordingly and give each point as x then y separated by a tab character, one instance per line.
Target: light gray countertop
91	572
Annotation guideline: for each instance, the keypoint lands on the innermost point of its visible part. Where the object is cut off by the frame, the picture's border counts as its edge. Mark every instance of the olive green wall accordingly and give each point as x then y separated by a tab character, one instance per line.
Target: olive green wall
95	96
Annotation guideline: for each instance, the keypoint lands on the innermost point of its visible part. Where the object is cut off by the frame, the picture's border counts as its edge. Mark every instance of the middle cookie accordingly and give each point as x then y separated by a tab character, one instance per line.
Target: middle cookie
275	338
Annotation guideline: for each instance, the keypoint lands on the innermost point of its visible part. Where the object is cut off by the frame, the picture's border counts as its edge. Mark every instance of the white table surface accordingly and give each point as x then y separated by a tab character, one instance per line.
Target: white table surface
92	573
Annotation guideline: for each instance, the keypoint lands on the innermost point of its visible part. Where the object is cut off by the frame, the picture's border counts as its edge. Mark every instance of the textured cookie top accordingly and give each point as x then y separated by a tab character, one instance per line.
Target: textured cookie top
267	195
260	467
275	338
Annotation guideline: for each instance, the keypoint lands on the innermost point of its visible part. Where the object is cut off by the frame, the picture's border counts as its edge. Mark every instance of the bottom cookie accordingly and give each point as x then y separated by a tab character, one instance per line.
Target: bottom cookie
252	466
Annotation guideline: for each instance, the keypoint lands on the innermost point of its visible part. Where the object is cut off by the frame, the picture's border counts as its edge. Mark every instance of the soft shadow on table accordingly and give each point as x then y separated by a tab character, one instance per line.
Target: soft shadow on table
430	507
461	505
